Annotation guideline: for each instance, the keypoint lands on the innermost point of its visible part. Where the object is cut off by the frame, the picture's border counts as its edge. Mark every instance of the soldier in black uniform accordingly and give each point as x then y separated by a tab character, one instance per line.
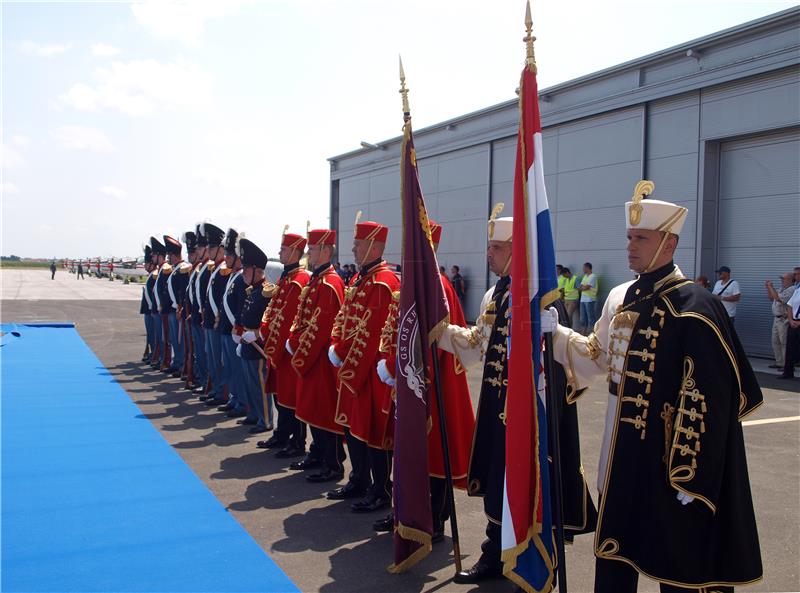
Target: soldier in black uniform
200	360
159	253
230	274
232	303
488	341
146	306
185	310
215	254
675	501
246	331
216	290
176	281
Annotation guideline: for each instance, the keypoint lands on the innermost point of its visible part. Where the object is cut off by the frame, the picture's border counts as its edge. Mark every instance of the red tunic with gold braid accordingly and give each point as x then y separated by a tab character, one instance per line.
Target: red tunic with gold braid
275	326
309	339
364	403
458	411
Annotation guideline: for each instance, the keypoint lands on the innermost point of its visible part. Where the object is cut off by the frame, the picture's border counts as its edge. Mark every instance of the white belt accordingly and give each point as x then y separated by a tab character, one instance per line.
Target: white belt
228	312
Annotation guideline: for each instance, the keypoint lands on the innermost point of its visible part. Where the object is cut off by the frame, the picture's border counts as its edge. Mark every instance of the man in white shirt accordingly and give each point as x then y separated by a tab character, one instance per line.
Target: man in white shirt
728	291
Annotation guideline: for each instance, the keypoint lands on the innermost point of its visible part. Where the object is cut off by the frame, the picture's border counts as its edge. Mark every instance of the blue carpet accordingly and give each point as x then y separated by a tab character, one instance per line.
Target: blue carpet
93	498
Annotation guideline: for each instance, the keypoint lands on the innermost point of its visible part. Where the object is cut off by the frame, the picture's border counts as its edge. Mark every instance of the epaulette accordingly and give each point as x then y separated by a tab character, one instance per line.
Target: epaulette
166	268
210	266
224	270
269	289
185	268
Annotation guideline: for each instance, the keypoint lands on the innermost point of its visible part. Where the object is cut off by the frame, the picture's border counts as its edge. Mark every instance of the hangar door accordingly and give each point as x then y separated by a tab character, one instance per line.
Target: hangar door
759	225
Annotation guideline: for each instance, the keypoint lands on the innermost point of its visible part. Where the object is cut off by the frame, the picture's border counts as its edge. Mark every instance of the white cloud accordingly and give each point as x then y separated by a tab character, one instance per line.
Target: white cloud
104	50
182	20
20	140
47	50
6	187
10	158
142	87
113	192
83	138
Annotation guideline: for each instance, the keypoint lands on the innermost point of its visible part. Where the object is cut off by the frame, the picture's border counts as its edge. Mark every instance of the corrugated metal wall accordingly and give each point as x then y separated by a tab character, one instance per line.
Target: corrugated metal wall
704	149
759	225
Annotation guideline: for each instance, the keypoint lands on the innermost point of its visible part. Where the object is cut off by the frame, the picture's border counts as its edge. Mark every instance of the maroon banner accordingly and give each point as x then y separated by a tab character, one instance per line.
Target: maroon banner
422	316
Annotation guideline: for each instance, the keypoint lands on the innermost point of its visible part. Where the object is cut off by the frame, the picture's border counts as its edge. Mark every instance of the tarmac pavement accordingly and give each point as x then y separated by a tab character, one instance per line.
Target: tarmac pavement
321	544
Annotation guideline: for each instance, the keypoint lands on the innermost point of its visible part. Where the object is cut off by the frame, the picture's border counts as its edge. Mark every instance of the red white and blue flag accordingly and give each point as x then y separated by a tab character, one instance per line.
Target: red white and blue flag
527	535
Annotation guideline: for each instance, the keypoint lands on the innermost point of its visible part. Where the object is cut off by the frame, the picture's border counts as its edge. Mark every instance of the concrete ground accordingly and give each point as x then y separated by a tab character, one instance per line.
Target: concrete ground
320	544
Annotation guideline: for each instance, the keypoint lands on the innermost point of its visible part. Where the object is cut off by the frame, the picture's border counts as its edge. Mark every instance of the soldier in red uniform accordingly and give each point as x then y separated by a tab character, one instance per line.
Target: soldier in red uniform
275	326
307	345
365	405
459	415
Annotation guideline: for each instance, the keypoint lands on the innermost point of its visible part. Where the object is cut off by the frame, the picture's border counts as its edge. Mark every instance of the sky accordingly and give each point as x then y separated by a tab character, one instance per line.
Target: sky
122	120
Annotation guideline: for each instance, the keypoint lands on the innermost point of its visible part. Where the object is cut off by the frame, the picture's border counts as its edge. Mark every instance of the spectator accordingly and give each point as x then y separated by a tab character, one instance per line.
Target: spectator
797	277
703	281
338	267
792	354
561	279
442	270
571	295
458	283
780	316
728	291
53	270
588	290
79	275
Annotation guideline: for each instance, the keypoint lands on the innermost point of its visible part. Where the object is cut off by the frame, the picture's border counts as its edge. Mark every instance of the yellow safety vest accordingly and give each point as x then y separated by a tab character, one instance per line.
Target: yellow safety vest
590	292
570	292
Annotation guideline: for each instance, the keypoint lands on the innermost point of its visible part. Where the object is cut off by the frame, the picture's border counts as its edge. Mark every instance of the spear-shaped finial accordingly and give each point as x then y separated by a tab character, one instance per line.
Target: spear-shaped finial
404	92
530	60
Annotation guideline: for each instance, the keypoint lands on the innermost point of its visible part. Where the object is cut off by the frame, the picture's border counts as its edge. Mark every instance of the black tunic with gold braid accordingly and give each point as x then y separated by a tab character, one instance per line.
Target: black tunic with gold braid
487	463
683	384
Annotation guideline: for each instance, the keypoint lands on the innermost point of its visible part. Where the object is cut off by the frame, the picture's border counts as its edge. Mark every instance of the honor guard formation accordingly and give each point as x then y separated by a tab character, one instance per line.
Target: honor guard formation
674	499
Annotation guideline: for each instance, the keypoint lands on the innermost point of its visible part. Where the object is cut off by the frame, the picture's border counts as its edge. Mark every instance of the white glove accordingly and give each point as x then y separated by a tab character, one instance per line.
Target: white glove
685	498
249	336
384	373
289	348
335	360
237	339
239	350
549	320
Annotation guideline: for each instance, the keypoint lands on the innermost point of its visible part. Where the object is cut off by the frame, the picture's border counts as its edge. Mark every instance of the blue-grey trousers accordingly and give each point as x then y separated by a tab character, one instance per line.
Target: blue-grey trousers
214	354
259	402
176	338
148	328
200	367
232	366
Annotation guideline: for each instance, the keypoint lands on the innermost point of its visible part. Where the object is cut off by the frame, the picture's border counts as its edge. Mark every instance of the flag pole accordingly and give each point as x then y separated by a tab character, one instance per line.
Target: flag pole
448	472
553	402
437	383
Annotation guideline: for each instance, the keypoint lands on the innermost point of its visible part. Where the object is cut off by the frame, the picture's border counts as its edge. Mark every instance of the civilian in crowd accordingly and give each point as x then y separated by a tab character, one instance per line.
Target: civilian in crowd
703	281
561	279
780	316
571	296
728	291
588	290
792	354
458	283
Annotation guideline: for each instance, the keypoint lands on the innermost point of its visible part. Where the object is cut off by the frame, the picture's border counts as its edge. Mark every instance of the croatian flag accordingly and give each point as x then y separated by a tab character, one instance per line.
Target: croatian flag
527	534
